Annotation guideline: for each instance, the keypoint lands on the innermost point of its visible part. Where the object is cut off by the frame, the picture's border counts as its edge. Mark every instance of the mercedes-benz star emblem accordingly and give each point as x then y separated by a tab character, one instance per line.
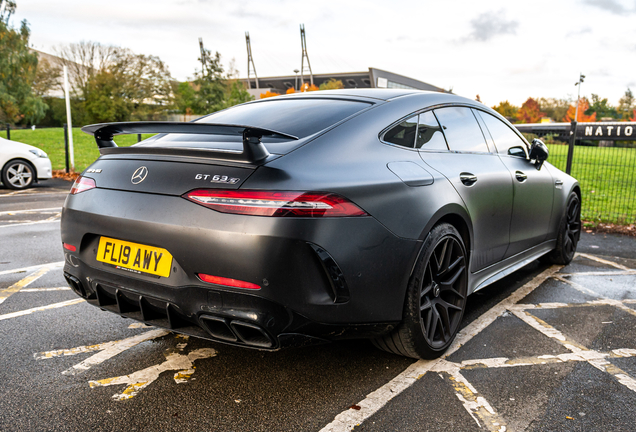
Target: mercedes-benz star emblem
139	175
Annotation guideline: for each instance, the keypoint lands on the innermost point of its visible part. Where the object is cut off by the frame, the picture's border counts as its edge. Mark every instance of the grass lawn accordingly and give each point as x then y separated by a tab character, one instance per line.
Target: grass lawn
51	140
607	176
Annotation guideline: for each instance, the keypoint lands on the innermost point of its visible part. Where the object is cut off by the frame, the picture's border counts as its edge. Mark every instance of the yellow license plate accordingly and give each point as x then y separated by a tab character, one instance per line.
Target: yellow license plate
134	257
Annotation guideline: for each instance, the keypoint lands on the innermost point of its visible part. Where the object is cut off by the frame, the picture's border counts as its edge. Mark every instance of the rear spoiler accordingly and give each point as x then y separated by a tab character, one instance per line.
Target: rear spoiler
253	148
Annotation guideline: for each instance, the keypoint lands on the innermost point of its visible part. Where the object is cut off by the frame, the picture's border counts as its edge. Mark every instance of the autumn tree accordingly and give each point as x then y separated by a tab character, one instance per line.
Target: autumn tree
584	105
554	108
332	84
626	105
18	66
507	110
530	112
269	93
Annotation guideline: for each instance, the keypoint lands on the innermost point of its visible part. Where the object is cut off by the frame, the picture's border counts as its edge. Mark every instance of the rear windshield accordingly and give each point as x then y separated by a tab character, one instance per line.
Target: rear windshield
297	117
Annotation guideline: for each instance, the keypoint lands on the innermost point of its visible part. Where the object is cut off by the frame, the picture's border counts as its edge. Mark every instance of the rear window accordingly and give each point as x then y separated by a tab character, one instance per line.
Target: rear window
297	117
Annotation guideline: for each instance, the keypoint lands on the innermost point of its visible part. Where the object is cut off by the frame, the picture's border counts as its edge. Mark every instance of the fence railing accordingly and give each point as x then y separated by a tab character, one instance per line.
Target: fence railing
602	162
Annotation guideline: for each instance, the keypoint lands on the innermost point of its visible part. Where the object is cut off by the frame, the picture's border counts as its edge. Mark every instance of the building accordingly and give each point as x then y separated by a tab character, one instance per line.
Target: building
373	78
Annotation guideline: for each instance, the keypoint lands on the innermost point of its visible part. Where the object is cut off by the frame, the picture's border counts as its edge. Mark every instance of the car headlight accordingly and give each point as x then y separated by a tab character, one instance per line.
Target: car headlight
39	153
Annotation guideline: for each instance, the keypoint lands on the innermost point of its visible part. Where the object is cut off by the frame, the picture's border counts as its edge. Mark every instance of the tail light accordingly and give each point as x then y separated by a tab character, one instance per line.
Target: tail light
82	184
277	204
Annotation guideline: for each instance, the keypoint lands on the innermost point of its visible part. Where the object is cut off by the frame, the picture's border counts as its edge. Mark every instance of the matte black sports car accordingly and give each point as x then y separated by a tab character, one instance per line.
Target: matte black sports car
315	217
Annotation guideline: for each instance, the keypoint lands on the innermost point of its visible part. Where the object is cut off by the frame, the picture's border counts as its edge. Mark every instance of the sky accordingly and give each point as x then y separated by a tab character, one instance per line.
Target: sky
501	50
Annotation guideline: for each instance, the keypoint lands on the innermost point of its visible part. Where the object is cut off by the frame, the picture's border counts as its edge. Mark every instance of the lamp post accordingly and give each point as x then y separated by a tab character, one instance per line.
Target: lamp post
296	79
578	83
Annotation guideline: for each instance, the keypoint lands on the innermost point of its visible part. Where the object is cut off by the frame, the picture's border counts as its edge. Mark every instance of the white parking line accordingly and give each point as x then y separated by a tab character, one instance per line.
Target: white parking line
50	220
41	308
347	420
44	289
12	212
603	261
53	266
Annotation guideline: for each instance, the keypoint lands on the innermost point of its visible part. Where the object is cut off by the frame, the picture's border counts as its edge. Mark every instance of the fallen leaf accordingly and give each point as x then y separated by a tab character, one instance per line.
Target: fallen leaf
355	407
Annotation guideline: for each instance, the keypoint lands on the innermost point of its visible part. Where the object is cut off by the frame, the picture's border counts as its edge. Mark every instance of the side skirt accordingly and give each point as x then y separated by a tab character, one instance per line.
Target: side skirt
492	274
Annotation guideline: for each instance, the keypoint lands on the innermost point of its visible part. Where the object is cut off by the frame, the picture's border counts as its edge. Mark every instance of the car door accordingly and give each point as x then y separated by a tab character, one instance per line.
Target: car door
478	175
533	188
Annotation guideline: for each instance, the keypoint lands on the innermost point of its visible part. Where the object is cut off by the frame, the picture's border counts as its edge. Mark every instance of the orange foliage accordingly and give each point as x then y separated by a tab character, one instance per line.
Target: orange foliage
530	112
584	105
291	90
306	87
269	94
633	116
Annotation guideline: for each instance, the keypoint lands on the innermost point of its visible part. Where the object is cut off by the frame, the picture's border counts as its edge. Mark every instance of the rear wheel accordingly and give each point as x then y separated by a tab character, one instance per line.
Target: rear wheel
435	300
569	232
18	174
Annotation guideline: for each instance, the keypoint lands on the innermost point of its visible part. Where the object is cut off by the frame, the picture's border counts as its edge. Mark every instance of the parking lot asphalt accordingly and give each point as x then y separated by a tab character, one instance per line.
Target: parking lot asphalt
547	348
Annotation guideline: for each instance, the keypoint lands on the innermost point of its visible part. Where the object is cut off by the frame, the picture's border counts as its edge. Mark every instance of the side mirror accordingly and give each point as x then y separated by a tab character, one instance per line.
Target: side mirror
538	152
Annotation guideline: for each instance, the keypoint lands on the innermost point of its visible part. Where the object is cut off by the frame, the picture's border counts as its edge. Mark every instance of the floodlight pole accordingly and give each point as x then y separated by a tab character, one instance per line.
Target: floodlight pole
68	119
578	83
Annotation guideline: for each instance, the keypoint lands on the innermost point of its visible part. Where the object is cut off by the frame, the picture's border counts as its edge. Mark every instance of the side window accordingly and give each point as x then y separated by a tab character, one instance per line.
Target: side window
403	134
506	140
429	133
461	129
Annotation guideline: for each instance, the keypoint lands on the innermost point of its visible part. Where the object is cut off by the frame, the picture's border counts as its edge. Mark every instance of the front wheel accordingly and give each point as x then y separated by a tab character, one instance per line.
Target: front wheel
18	174
569	232
435	299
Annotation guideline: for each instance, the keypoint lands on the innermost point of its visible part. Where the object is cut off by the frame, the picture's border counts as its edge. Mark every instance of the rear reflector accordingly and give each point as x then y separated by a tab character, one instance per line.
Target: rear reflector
82	184
277	204
227	281
69	247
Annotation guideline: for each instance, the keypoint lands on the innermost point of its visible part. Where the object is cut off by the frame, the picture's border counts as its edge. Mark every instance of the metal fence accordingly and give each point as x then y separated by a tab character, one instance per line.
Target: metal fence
602	162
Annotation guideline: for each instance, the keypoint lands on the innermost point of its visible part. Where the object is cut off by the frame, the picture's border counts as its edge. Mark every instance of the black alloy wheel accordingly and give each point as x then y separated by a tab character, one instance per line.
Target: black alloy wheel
569	232
443	292
435	299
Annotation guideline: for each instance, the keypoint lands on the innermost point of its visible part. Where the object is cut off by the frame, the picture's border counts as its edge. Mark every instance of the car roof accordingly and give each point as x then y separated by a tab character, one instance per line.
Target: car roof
370	93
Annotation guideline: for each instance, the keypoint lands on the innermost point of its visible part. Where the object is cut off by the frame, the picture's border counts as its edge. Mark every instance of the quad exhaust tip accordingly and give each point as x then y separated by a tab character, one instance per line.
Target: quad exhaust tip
236	331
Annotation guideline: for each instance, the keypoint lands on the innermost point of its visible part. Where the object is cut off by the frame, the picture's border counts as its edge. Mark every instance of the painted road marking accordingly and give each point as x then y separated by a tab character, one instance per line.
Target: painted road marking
175	361
588	291
347	420
107	350
41	308
592	357
7	292
53	266
603	261
49	220
44	289
42	210
477	406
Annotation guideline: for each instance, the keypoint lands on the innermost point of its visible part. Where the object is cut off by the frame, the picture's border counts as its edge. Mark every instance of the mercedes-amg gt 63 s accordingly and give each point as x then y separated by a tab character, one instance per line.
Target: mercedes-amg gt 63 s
315	217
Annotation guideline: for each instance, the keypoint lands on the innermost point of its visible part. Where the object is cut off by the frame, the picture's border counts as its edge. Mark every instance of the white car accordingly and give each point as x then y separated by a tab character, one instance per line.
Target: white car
21	165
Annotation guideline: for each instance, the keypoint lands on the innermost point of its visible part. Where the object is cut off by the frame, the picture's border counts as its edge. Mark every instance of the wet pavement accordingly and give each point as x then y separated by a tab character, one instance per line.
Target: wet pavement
545	349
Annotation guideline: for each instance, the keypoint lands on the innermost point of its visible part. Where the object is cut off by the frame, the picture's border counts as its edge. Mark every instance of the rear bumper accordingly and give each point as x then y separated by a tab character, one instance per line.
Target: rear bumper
320	278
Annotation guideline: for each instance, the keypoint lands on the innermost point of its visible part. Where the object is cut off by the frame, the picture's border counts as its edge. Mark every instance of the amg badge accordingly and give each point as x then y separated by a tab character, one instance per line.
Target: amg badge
217	178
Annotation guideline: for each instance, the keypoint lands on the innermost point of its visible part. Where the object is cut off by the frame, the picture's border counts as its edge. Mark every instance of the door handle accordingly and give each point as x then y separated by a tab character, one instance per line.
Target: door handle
468	178
521	176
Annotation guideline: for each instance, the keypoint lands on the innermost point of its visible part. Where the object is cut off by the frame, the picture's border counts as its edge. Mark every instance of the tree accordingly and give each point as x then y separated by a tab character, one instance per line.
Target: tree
554	108
84	61
47	77
507	110
530	112
626	104
18	67
332	84
269	94
601	107
584	105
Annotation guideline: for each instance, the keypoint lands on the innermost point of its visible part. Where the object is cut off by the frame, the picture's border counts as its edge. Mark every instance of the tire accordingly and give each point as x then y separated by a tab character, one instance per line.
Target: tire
435	298
18	174
569	232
